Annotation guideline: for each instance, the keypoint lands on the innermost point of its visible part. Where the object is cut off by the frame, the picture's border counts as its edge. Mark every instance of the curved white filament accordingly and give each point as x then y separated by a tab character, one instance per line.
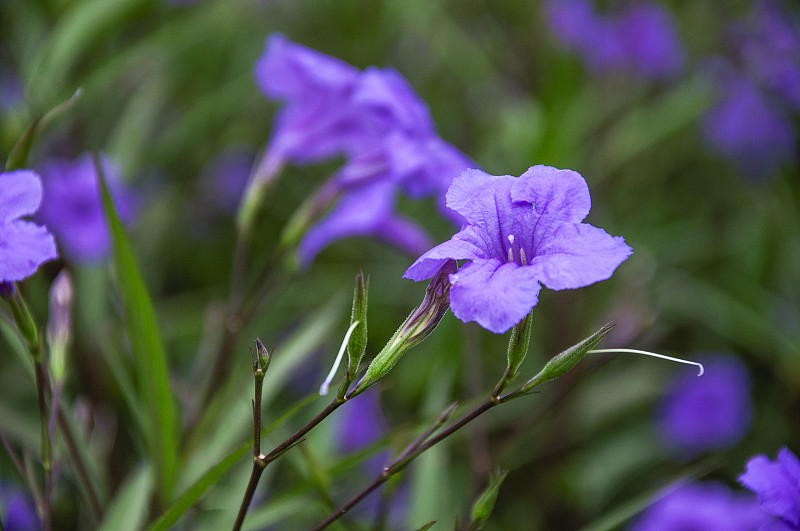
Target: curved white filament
323	389
653	354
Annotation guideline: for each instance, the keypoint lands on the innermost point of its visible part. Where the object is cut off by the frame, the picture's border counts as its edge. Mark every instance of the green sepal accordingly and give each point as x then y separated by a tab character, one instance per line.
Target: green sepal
483	506
566	360
357	345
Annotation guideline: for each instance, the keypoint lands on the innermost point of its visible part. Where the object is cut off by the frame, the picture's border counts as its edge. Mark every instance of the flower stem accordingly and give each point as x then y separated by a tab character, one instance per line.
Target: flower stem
412	452
47	470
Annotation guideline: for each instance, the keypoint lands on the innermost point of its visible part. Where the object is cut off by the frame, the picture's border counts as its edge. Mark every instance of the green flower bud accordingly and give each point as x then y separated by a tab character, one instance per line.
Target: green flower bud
414	329
566	360
24	319
518	346
59	325
358	339
484	505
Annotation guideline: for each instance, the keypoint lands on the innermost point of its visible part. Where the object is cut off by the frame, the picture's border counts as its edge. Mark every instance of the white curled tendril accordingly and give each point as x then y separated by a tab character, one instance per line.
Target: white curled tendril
323	389
653	354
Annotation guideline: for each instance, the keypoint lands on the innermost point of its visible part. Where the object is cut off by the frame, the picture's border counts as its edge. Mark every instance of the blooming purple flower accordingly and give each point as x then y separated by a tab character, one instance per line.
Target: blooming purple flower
746	126
519	233
777	485
701	506
72	208
24	246
375	120
640	39
707	413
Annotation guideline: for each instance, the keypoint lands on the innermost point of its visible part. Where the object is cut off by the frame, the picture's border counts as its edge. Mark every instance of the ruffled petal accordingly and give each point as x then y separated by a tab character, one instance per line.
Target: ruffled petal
578	255
20	194
467	193
24	246
463	246
776	485
558	195
287	70
495	295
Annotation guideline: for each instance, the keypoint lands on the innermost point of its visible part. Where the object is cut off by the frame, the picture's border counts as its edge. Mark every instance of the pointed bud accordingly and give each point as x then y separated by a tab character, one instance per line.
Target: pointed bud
485	503
263	357
566	360
59	325
357	344
414	329
518	346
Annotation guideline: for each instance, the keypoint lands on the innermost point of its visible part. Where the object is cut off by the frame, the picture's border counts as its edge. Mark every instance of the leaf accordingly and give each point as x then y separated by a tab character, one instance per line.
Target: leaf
150	361
128	509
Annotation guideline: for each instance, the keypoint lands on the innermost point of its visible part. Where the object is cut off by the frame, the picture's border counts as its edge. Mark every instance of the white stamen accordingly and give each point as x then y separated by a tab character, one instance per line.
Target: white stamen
653	354
511	239
510	254
522	258
323	389
453	279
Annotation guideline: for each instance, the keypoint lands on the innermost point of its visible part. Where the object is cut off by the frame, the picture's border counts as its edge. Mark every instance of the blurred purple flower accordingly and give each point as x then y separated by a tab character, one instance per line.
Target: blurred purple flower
769	44
72	207
640	39
757	88
747	127
371	117
648	36
225	178
707	413
17	512
24	246
778	487
362	424
519	233
701	506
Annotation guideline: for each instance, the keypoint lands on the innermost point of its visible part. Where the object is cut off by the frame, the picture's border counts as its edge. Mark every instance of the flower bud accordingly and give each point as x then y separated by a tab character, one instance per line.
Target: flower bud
357	344
414	329
518	345
59	325
484	505
566	360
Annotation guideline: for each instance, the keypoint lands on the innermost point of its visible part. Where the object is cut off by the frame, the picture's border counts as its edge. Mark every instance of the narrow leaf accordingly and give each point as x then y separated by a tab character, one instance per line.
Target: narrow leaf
148	352
129	507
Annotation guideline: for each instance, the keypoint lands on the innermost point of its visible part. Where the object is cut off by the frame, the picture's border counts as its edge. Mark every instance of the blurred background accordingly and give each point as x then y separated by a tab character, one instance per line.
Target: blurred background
680	115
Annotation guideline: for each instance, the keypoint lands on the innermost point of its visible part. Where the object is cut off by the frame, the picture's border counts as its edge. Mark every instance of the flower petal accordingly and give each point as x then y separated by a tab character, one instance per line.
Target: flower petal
495	295
20	194
365	210
559	195
579	254
24	246
463	246
776	485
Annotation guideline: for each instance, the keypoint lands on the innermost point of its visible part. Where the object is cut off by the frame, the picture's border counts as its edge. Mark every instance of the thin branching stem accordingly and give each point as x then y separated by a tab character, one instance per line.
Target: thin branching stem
406	458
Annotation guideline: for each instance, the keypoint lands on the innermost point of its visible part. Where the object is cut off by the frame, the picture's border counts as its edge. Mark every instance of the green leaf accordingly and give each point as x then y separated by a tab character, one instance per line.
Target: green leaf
128	509
150	360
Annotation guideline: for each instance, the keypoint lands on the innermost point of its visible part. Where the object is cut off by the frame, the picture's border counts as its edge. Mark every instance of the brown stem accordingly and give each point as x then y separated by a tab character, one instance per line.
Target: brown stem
405	459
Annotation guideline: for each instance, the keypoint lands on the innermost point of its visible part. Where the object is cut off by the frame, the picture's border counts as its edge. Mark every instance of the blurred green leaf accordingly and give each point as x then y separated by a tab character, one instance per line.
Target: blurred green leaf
128	509
148	352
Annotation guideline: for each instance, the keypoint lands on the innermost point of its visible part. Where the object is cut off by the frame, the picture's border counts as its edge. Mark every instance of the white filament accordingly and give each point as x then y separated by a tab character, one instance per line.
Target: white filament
653	354
323	389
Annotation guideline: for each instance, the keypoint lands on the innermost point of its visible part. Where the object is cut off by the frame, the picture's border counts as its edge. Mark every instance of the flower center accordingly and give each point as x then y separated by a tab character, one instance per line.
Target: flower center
515	251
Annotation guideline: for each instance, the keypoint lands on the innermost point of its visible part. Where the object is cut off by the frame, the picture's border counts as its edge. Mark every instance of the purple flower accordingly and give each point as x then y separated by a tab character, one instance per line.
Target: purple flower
701	506
519	233
746	126
777	485
647	34
17	512
769	44
371	117
72	207
707	413
24	246
640	39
